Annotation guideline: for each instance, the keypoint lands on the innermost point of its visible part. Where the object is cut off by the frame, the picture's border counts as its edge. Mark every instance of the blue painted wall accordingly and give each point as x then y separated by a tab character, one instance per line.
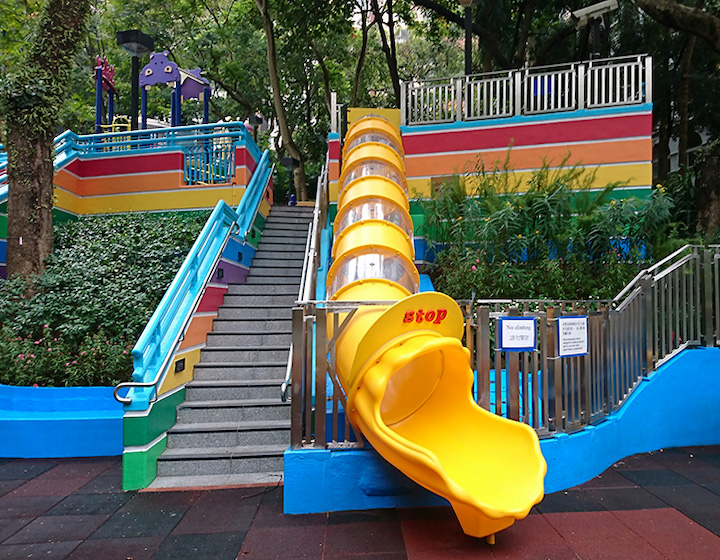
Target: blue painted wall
38	422
679	405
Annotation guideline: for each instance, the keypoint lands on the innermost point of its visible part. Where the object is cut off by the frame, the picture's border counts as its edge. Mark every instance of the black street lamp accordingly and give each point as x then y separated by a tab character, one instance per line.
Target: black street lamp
467	4
136	43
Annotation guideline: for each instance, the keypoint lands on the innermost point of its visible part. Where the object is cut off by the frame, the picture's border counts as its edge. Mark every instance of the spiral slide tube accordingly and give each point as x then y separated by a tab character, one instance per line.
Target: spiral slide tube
406	375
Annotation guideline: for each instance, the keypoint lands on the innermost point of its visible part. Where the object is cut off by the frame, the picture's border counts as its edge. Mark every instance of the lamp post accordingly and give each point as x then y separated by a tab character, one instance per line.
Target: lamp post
467	4
136	43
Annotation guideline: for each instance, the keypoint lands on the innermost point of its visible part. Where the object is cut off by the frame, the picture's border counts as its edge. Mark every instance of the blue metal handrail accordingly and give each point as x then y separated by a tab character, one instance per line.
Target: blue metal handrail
161	336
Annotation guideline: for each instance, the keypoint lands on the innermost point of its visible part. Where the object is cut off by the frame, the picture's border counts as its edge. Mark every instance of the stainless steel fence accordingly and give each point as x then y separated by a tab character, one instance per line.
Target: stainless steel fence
533	90
669	307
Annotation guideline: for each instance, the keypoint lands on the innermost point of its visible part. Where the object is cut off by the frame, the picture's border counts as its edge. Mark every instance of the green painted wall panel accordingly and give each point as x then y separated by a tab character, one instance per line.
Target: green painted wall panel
141	430
139	468
3	226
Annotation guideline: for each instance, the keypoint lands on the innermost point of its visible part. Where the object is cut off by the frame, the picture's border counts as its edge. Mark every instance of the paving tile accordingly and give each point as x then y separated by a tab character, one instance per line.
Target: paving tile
219	546
362	516
58	528
8	527
80	468
25	469
567	501
378	556
216	519
438	535
364	538
656	477
270	513
408	514
117	549
7	486
177	502
138	524
281	543
26	506
643	461
626	498
589	526
50	486
688	499
673	534
610	478
90	504
704	475
103	484
616	549
46	551
528	550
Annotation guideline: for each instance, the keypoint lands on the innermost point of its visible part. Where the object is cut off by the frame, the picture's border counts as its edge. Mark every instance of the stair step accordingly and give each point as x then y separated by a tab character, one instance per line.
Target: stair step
218	371
232	410
233	389
249	311
222	481
250	354
252	324
229	434
247	290
263	262
291	270
286	297
280	227
281	252
274	280
221	460
241	339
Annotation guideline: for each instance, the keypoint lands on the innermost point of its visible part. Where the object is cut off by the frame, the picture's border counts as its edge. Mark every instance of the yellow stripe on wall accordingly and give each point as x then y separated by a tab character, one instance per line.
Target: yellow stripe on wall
188	198
172	379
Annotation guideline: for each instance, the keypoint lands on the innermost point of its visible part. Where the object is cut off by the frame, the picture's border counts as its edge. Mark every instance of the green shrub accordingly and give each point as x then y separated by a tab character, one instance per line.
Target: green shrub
554	240
100	288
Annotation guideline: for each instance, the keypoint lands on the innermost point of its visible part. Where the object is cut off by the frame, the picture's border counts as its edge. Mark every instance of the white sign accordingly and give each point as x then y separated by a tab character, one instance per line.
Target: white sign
572	336
518	334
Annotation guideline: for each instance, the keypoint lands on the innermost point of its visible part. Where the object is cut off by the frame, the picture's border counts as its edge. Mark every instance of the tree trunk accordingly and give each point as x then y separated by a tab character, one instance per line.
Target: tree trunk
29	104
708	191
684	96
292	149
361	57
388	44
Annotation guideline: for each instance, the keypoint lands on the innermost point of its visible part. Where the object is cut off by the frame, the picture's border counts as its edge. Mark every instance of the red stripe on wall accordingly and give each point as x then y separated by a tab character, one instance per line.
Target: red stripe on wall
334	149
572	130
122	165
212	299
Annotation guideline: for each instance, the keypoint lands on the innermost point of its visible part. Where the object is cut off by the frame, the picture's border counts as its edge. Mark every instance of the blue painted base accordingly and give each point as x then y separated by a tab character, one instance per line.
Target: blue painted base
40	422
676	406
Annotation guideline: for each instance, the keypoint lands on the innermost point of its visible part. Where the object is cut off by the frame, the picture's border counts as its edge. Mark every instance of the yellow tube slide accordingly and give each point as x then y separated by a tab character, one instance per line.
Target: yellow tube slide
404	370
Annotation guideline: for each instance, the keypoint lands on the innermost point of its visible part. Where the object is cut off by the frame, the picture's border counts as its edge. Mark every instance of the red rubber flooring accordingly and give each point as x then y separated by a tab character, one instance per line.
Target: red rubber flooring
659	505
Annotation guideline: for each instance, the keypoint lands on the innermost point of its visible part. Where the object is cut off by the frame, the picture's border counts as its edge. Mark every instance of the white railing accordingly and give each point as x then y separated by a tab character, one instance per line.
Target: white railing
529	91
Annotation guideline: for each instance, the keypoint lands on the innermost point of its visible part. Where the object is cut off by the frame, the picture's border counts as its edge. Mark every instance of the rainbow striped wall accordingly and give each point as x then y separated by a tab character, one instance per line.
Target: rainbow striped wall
3	239
615	143
143	180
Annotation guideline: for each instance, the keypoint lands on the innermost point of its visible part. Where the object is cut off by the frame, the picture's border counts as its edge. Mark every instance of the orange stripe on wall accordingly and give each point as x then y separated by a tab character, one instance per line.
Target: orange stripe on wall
624	151
333	170
196	333
123	184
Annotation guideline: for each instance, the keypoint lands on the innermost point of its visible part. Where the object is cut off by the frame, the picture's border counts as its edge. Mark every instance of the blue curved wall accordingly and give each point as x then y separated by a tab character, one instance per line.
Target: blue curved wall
678	405
37	422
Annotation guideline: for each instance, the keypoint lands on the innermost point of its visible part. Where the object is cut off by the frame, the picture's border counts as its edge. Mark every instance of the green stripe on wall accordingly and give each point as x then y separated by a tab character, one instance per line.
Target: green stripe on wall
259	222
139	468
141	430
3	226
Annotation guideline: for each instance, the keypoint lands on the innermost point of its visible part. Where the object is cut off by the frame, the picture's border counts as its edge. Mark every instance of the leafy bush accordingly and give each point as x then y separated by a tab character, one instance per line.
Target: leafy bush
555	240
100	288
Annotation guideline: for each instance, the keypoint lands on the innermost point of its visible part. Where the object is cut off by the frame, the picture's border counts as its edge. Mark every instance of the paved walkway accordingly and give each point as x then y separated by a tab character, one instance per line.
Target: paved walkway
653	506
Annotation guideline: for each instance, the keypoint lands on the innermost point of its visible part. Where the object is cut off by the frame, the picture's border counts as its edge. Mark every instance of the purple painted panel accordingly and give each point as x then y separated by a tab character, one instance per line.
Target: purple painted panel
193	84
160	70
231	273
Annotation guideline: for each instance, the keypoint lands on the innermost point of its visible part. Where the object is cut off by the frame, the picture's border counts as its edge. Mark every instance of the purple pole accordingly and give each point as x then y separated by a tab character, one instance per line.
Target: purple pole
206	105
111	107
143	107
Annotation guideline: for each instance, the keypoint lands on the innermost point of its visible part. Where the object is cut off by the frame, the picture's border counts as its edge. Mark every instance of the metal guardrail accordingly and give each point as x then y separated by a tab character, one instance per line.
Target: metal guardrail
165	330
534	90
668	307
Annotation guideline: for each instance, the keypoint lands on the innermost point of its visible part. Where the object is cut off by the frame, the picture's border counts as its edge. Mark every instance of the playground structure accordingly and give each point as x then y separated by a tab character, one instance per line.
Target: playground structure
579	407
404	376
186	84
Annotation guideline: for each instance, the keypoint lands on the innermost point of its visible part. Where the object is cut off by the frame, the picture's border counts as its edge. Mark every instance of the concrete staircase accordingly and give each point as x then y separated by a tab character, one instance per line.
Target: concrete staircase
233	428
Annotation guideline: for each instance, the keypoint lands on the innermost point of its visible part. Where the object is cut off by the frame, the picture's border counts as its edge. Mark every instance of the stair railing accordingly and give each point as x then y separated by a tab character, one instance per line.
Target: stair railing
167	326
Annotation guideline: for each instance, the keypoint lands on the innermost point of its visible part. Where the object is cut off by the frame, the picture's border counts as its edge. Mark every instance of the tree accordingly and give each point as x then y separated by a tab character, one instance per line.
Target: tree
30	98
684	18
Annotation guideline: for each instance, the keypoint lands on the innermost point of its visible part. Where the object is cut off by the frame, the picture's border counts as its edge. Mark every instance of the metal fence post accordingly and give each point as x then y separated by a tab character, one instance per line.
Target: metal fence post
512	372
403	103
321	371
483	356
581	87
647	324
459	99
296	403
517	78
648	79
709	331
333	112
